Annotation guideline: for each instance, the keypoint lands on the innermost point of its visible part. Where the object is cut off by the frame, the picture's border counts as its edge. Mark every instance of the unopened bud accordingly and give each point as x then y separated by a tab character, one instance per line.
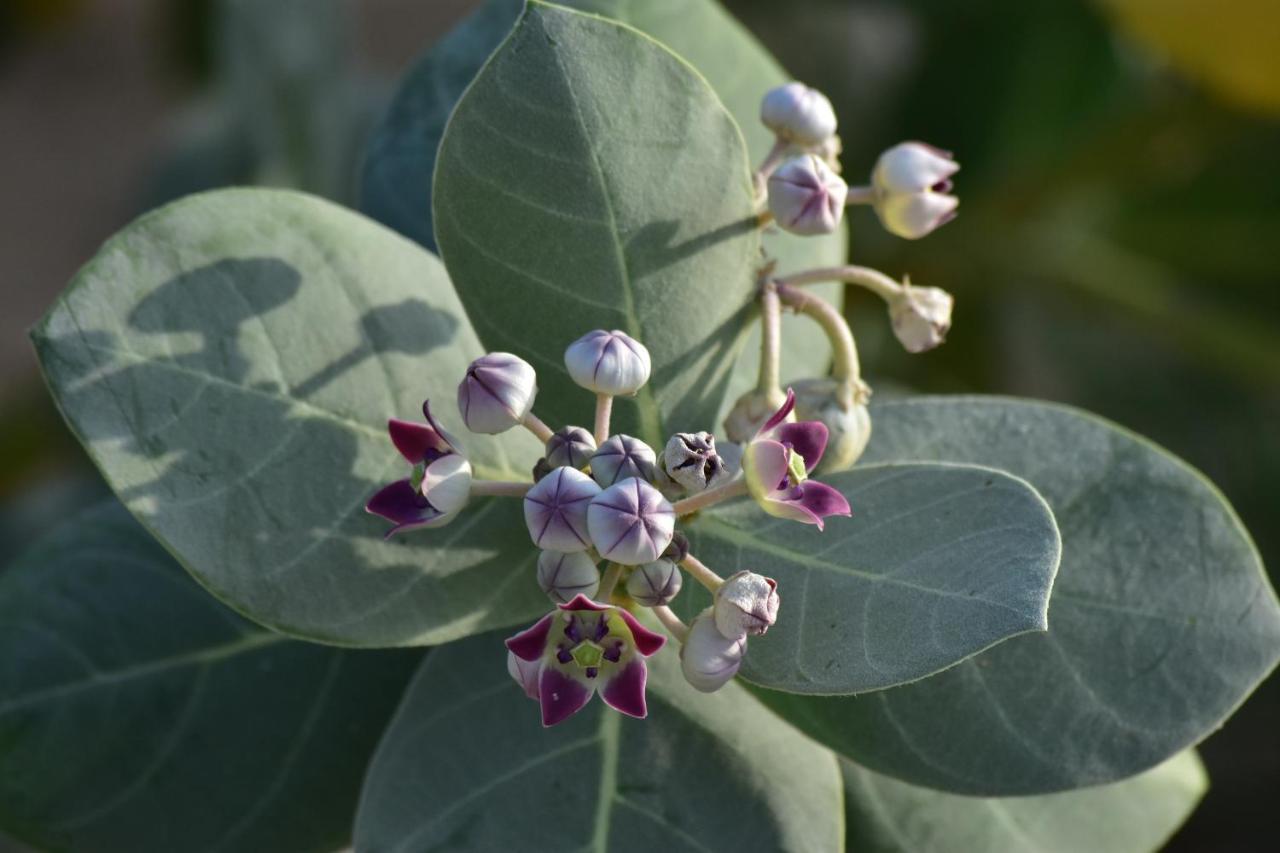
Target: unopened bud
621	457
572	446
562	576
708	659
678	549
798	114
497	393
555	510
842	408
654	583
921	317
912	185
806	197
630	522
745	604
750	412
690	459
608	362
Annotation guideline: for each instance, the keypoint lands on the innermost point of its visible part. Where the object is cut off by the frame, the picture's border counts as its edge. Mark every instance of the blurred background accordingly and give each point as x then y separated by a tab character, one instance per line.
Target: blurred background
1118	246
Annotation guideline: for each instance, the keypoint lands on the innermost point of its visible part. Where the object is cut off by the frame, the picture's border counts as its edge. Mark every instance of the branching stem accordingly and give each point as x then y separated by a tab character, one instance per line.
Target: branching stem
714	495
845	366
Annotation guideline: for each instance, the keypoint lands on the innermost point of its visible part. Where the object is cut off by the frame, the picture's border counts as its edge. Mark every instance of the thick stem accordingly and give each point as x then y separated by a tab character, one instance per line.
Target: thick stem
845	366
499	488
608	582
771	161
874	280
770	341
535	425
701	573
671	622
713	495
604	410
860	195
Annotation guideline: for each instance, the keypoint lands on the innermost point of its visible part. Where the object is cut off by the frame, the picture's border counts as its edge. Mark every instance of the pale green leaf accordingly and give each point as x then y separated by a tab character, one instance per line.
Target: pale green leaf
137	713
230	362
467	766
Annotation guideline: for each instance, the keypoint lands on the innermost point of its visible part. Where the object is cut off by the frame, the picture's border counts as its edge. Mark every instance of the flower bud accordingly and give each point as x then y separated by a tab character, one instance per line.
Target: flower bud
630	522
690	459
750	412
708	659
622	457
542	468
655	583
562	576
678	549
746	604
921	316
806	197
842	408
798	114
555	510
497	393
911	183
572	446
608	362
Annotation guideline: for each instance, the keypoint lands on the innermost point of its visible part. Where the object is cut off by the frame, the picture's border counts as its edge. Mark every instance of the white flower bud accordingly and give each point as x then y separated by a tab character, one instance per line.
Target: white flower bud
921	316
806	197
562	576
497	393
608	362
750	412
843	410
798	114
708	659
630	522
911	184
655	583
572	446
621	457
555	510
690	459
746	604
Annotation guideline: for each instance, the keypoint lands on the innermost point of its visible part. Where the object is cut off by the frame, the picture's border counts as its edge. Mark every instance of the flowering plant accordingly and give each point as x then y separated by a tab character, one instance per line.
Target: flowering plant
649	468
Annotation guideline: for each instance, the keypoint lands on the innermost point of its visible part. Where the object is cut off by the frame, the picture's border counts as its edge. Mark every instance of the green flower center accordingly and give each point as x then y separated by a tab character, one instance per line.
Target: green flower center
795	469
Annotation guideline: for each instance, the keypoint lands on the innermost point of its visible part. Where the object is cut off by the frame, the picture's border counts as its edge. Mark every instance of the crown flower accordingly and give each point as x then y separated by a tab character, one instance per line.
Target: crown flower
439	485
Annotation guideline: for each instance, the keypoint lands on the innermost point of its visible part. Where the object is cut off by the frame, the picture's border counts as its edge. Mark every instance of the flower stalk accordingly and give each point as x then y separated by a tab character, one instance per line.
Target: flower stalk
499	488
714	495
770	341
845	365
535	425
608	582
604	412
701	573
874	280
671	622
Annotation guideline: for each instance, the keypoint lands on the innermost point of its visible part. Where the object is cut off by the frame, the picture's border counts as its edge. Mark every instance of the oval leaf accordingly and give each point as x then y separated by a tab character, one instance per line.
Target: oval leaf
590	178
1161	622
137	713
466	765
937	563
230	362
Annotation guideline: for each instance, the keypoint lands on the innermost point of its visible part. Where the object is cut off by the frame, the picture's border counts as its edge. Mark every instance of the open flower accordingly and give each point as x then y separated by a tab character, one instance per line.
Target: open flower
580	648
439	485
777	463
912	185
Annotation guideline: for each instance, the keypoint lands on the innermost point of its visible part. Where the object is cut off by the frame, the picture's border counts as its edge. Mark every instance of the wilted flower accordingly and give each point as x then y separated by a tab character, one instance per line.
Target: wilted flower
806	197
572	446
798	114
555	510
630	523
709	659
621	457
911	183
439	485
745	604
777	463
582	647
921	316
608	362
690	459
655	583
565	575
750	411
843	411
497	393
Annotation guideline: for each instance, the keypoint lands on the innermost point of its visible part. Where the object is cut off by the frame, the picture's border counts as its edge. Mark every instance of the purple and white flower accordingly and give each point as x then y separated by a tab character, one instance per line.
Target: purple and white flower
621	457
631	523
611	363
497	393
572	446
777	463
563	576
806	197
555	510
912	186
439	485
655	583
709	659
579	649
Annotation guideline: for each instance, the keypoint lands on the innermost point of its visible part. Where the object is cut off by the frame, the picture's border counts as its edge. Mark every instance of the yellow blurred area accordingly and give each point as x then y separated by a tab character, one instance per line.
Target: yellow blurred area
1231	46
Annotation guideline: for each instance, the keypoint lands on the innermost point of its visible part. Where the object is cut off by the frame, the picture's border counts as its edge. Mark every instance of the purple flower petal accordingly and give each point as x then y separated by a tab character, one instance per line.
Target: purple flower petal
412	440
526	673
625	690
821	500
765	465
581	602
560	696
780	415
403	505
647	642
450	445
808	438
530	643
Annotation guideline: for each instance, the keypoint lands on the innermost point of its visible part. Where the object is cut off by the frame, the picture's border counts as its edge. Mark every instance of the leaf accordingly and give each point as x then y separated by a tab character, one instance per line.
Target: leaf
1138	814
937	563
1161	621
136	713
590	179
230	361
466	765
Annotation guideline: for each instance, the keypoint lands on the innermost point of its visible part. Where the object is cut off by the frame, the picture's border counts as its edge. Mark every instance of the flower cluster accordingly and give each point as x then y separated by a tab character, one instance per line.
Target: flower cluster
611	500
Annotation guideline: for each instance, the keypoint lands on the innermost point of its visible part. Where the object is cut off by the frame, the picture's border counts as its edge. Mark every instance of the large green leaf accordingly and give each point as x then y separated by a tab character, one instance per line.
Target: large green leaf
230	362
1161	621
466	765
937	563
137	713
884	815
590	178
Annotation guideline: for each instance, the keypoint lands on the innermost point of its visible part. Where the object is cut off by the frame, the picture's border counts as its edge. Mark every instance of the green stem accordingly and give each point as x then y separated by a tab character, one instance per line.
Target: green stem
714	495
608	582
701	573
845	366
671	622
874	280
770	341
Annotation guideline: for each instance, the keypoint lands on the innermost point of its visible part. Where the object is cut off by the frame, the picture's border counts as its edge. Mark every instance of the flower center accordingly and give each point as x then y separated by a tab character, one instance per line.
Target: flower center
796	473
